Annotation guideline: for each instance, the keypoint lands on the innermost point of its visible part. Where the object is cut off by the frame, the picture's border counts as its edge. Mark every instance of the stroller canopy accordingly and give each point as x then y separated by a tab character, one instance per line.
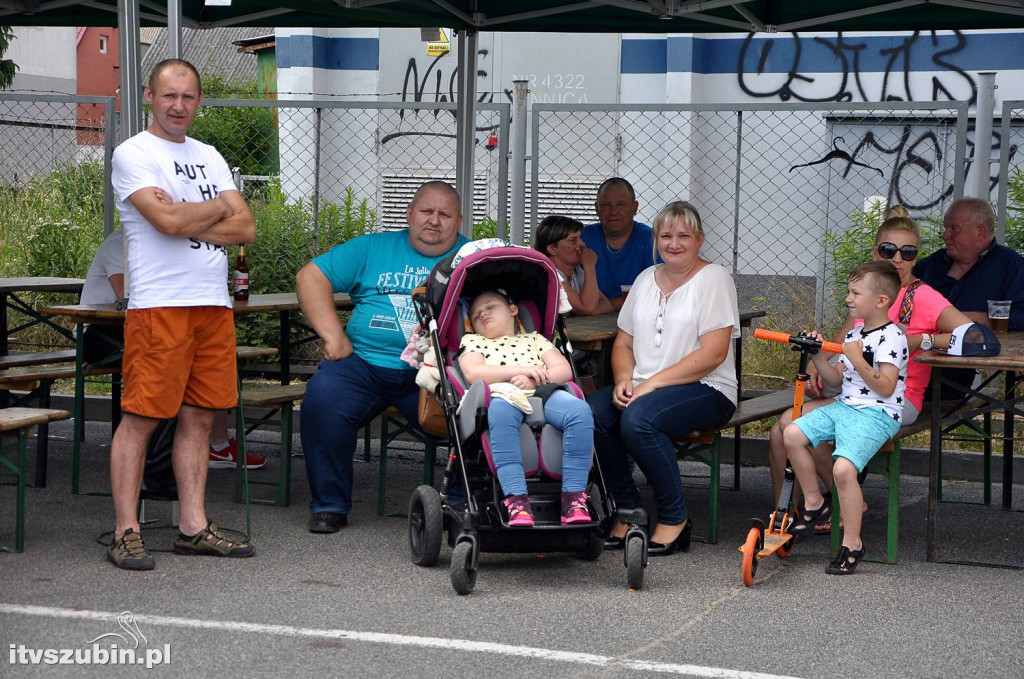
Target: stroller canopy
523	273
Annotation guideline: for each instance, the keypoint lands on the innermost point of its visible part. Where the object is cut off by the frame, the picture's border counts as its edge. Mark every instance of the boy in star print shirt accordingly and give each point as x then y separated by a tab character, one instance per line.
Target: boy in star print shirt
872	372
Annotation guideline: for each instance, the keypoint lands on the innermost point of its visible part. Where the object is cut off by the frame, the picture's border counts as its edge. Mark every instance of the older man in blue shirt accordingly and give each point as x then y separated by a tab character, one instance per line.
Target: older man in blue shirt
973	268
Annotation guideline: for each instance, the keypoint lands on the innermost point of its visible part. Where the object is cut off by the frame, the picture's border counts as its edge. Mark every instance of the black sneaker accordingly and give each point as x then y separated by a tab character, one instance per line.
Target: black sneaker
327	522
130	553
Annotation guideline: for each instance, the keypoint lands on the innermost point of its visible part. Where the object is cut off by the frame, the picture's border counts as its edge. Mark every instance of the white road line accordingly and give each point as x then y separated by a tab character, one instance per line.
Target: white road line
396	640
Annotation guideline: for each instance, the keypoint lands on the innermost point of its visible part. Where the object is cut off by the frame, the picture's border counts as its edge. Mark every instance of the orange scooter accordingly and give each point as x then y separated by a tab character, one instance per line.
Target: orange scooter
776	538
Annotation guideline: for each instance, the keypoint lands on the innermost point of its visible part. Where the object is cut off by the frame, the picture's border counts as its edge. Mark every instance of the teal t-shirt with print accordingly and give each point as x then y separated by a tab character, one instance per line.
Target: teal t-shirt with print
379	271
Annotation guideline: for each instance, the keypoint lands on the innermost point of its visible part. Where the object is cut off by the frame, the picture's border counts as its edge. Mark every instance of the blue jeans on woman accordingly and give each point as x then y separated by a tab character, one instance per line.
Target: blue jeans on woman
644	432
563	411
340	399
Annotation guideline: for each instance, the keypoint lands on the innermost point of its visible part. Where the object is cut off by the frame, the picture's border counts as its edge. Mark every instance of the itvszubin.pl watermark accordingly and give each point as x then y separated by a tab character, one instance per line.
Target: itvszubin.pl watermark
116	649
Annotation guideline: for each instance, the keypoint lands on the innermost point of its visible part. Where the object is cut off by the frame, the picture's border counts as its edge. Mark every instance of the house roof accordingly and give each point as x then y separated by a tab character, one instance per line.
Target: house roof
213	51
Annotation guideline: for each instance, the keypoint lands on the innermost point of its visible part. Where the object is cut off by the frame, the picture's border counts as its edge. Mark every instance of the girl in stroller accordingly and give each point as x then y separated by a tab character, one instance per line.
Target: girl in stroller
494	353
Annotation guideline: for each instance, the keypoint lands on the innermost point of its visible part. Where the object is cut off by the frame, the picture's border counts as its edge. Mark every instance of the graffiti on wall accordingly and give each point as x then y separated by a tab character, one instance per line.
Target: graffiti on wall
917	166
437	87
802	79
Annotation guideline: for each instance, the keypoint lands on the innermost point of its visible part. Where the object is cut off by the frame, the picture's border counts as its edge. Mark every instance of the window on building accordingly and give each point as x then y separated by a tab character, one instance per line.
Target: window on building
103	44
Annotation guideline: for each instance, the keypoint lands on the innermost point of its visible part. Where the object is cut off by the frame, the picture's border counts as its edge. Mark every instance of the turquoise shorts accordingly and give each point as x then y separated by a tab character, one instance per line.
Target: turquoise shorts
858	432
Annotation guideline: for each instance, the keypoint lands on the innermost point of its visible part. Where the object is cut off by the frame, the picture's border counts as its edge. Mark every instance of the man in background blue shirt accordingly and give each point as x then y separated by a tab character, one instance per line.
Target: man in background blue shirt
973	268
623	245
362	373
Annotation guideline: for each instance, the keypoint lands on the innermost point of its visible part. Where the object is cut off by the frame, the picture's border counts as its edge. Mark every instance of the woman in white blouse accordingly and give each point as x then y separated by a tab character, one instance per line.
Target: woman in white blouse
673	370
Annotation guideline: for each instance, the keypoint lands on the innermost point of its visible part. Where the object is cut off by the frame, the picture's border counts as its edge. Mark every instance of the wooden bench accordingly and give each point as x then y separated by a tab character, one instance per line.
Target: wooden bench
38	381
21	420
280	399
695	445
392	425
22	359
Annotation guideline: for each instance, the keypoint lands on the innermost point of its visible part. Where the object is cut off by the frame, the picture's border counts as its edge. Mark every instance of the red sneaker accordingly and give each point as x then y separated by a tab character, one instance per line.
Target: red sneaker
226	459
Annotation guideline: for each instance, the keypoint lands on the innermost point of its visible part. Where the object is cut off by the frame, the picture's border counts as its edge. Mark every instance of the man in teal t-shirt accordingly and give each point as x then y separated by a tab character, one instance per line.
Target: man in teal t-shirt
362	373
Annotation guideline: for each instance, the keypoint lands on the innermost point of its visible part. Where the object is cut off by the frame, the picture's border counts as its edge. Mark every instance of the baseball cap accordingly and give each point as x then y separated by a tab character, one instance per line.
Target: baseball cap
973	339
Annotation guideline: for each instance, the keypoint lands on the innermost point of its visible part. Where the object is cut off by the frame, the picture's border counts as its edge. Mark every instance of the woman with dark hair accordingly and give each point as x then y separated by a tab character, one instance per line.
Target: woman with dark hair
558	237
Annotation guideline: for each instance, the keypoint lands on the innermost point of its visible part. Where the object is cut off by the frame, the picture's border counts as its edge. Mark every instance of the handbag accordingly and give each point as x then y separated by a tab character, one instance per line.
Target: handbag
431	415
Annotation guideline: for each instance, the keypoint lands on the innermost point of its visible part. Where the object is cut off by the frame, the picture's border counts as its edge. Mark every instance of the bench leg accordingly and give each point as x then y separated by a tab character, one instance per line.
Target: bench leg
78	424
43	436
241	470
987	490
382	474
716	474
892	546
284	480
736	439
19	530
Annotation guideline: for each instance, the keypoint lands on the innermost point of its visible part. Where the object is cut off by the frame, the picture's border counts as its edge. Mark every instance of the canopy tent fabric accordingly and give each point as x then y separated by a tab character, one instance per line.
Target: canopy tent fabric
594	16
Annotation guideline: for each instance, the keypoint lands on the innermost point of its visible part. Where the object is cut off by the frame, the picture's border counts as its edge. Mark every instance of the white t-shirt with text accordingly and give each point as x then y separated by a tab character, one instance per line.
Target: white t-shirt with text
170	271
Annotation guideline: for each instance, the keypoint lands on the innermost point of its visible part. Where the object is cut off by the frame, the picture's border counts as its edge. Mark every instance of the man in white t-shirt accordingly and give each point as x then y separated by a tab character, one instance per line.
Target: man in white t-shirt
104	284
179	210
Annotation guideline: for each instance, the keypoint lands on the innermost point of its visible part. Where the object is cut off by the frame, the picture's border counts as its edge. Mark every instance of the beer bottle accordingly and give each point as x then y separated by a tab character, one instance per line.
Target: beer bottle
241	276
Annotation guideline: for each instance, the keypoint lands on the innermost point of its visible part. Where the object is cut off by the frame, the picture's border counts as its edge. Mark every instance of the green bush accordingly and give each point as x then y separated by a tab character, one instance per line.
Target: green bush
246	137
53	223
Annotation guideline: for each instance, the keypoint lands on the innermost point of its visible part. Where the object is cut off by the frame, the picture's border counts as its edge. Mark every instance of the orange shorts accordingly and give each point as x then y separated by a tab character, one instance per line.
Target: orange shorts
176	356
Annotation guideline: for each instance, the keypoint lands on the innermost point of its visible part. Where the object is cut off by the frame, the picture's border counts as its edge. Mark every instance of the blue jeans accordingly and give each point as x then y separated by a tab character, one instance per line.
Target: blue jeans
644	432
563	411
340	399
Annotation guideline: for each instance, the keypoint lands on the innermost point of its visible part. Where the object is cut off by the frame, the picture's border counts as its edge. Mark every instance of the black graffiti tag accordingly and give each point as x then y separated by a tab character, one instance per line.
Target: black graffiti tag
805	78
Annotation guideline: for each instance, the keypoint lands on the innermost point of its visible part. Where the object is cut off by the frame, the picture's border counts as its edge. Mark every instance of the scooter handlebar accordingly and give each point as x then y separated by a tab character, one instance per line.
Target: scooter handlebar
805	342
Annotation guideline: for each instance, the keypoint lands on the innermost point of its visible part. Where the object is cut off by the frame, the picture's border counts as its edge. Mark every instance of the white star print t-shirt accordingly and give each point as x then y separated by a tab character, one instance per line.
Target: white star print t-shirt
884	344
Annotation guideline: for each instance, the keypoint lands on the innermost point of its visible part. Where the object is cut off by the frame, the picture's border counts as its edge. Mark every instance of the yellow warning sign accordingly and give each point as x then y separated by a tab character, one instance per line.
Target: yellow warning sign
439	47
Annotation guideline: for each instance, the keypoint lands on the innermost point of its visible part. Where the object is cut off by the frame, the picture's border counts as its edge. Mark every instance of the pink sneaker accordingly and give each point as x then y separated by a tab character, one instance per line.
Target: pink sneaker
225	459
574	508
519	511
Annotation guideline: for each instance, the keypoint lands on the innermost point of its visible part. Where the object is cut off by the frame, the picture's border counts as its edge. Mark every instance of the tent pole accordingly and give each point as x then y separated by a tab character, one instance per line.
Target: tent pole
131	79
174	29
518	143
981	167
466	127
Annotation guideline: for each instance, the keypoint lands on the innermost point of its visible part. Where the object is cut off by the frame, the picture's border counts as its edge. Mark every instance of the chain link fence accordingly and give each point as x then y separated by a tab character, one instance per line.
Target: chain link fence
790	195
1010	220
54	195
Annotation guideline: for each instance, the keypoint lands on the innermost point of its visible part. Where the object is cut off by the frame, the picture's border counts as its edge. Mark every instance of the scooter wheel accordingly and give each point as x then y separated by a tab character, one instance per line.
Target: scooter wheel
783	551
750	549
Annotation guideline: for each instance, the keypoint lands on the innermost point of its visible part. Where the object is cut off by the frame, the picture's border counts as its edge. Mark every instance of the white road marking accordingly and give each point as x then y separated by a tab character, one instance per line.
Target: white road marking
396	640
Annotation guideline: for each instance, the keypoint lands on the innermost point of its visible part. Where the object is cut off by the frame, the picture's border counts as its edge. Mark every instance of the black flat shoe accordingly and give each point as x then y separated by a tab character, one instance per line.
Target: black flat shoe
614	543
682	543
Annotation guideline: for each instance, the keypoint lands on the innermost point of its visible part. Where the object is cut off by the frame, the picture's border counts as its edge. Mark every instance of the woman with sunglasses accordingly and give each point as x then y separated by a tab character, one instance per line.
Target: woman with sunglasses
926	317
673	374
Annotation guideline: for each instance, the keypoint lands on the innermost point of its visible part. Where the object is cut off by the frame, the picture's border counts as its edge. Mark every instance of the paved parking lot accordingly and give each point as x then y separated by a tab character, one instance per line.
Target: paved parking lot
352	604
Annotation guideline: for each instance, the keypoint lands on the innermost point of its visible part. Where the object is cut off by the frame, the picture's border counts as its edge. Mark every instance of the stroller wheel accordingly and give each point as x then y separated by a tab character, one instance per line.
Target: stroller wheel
463	574
594	548
426	526
635	562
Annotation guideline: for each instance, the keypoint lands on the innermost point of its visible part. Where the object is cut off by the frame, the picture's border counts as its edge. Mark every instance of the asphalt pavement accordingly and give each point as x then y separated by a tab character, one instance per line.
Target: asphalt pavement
353	605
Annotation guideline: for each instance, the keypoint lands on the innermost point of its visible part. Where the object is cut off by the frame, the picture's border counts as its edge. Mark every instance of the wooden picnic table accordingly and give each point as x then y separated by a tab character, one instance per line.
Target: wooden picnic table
9	287
281	302
1009	365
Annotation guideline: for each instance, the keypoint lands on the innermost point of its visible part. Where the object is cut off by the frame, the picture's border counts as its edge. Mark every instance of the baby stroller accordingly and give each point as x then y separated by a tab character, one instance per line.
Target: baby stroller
479	521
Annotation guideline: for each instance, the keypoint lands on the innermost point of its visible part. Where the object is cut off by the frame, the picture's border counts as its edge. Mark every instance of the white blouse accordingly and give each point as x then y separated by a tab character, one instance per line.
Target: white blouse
704	303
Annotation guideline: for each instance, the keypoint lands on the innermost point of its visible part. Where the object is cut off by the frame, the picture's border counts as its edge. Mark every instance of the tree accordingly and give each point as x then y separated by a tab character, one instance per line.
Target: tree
7	67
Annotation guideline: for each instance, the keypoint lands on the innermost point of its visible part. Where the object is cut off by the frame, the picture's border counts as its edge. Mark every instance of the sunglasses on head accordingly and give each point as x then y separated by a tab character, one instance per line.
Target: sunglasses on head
888	250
